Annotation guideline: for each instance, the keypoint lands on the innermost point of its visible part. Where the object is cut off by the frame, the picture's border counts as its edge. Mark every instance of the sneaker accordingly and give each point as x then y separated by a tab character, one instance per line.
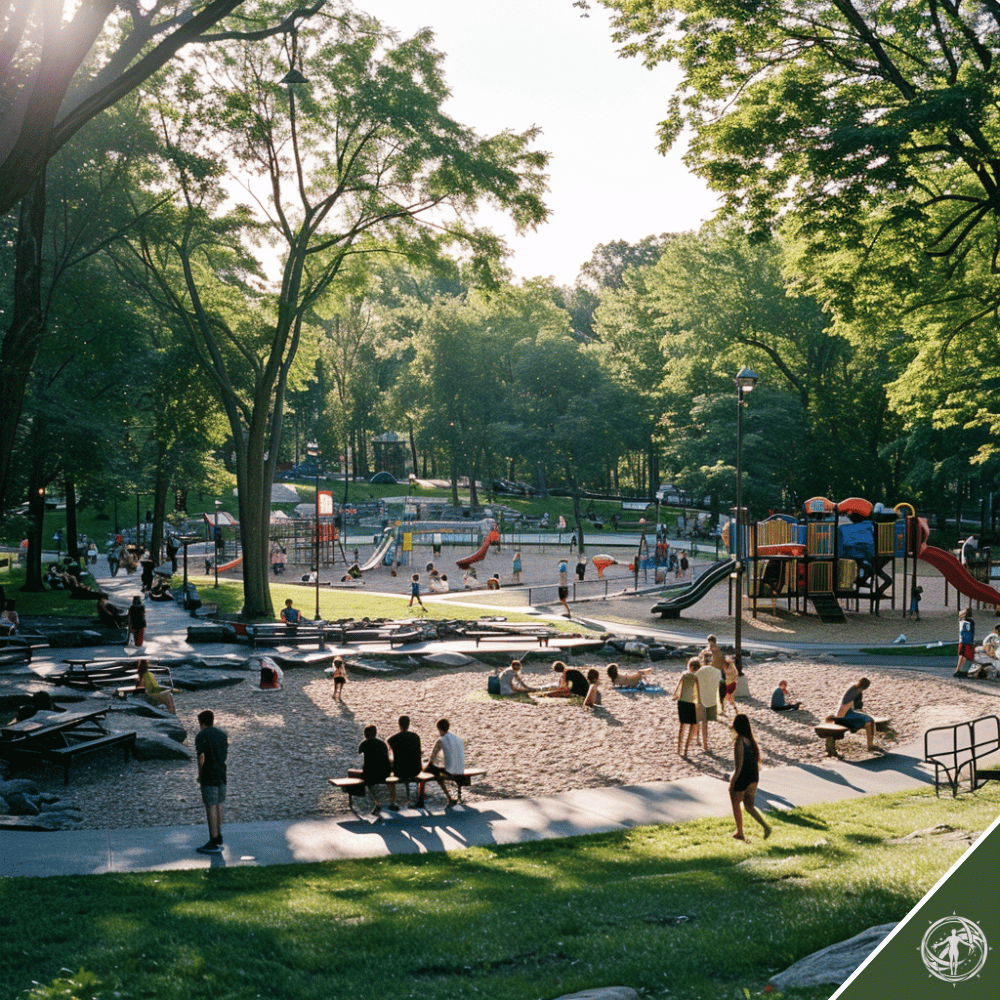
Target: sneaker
210	848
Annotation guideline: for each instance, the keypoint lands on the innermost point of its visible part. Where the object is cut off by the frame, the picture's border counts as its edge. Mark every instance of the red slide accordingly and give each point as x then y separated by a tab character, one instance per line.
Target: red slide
954	572
493	536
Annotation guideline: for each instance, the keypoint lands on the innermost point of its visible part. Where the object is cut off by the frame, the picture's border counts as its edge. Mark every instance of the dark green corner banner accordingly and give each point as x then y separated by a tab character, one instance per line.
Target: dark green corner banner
948	946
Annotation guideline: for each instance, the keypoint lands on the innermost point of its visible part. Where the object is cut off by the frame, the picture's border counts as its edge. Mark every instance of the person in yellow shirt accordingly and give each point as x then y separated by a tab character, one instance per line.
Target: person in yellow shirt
155	694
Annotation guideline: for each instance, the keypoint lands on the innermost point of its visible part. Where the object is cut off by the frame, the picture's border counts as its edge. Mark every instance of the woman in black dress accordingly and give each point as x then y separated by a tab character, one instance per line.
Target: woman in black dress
743	785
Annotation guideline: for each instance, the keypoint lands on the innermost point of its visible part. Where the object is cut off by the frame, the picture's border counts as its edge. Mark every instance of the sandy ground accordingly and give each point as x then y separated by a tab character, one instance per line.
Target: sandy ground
286	745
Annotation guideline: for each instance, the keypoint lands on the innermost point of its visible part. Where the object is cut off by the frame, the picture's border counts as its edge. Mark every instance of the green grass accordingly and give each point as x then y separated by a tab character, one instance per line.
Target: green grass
333	604
526	921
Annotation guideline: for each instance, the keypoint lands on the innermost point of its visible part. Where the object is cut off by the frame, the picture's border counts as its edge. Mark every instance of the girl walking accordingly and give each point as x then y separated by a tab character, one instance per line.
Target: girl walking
415	592
746	773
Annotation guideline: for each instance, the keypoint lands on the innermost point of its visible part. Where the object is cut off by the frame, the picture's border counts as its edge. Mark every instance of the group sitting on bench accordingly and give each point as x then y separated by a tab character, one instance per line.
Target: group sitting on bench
406	762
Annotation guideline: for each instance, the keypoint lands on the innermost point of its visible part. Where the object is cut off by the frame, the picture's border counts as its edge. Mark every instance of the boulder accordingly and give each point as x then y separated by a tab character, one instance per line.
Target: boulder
20	804
447	660
23	785
195	679
150	745
211	632
832	965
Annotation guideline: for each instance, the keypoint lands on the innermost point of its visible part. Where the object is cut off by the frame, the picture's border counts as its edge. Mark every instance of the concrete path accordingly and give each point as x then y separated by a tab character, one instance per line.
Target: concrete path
412	831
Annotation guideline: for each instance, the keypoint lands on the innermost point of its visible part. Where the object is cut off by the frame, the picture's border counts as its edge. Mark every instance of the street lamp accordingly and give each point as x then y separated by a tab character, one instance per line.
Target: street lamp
215	543
745	382
312	450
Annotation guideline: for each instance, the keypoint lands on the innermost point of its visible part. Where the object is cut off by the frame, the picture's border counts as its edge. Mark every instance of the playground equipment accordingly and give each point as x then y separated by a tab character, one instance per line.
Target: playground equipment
602	562
837	552
478	556
672	607
399	539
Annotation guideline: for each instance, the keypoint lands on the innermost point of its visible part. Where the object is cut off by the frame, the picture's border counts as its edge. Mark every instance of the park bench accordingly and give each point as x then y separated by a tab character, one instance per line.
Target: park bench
354	785
283	635
541	637
64	755
952	749
831	732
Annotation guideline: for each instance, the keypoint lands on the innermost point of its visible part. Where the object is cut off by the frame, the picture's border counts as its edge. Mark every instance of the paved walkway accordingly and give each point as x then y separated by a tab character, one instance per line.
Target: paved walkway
410	831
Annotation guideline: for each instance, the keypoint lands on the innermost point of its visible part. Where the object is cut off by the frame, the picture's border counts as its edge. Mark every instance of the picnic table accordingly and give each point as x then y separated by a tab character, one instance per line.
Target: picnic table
58	737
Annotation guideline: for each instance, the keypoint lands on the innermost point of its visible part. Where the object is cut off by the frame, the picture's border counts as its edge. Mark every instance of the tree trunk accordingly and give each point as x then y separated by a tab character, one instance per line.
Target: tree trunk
413	448
72	546
454	480
36	517
27	326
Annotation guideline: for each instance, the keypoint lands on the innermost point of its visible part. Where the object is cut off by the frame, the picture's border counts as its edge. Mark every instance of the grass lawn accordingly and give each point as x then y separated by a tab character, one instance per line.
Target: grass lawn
680	911
333	604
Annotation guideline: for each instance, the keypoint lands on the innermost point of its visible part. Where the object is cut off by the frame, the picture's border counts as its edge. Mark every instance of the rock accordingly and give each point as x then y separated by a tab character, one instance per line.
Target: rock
603	993
4	808
447	660
20	804
831	965
211	633
23	785
635	649
155	746
194	679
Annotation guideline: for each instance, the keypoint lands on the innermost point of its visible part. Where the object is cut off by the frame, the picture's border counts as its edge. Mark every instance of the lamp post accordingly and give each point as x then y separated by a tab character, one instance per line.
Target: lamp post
745	382
312	450
215	543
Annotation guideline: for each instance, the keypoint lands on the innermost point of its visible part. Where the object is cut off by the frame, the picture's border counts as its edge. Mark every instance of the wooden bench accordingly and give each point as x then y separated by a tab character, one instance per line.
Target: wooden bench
831	732
543	638
283	635
952	749
64	755
354	785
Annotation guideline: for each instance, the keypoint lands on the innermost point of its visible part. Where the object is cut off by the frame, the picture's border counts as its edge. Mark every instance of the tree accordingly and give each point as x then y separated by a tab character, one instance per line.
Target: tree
61	66
364	162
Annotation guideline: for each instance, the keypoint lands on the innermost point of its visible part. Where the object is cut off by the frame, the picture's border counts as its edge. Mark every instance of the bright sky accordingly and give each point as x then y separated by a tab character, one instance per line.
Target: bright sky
517	63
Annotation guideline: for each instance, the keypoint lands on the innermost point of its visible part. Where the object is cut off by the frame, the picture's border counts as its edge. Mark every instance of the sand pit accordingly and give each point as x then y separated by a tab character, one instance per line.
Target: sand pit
285	745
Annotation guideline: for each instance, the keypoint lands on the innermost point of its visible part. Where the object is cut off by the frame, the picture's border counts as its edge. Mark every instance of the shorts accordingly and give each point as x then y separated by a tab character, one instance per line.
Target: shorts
213	795
967	650
563	593
687	713
730	688
855	720
338	682
708	713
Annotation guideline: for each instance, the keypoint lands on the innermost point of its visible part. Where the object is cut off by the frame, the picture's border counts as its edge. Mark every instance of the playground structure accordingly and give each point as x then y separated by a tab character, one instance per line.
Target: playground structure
399	539
844	551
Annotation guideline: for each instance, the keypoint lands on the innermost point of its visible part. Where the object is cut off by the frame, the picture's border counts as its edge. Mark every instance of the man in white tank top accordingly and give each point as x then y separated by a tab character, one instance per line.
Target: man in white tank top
450	750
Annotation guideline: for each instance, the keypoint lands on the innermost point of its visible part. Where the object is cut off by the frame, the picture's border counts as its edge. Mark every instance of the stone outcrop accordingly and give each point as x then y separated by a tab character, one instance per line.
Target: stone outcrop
833	965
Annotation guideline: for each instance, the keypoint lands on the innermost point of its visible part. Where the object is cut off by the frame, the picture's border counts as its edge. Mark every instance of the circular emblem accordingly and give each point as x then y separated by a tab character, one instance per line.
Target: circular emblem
954	949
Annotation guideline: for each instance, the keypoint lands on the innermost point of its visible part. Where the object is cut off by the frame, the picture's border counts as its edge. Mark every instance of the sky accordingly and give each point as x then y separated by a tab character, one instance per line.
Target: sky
512	64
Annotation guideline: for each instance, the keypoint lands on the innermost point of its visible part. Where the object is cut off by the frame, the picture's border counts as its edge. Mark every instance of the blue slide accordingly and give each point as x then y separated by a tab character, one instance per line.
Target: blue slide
715	573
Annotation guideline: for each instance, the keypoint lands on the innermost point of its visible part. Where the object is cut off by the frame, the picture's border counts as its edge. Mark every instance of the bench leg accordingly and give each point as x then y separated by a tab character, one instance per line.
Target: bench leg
831	746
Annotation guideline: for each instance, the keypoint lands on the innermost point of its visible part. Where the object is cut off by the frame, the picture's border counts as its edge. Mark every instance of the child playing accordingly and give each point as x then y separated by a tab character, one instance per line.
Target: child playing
339	678
415	591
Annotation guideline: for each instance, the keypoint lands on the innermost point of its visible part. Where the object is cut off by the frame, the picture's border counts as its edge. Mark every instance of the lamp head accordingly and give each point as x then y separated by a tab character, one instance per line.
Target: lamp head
293	76
745	380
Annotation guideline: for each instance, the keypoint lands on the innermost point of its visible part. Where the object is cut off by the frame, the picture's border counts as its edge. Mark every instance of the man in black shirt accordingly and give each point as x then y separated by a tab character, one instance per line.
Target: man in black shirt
211	746
375	767
406	759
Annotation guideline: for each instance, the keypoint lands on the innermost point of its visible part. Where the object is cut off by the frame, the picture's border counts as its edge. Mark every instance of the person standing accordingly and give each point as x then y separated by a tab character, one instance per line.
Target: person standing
916	592
137	622
966	642
746	774
687	697
564	586
211	746
415	592
406	759
339	678
709	678
516	567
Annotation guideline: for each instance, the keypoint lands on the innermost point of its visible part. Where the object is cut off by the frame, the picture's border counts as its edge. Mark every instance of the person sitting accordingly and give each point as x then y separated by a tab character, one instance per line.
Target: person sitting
629	679
593	698
53	578
451	751
470	579
9	619
291	617
108	615
375	766
160	591
155	695
779	699
406	759
493	583
571	683
849	714
353	573
511	681
441	585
